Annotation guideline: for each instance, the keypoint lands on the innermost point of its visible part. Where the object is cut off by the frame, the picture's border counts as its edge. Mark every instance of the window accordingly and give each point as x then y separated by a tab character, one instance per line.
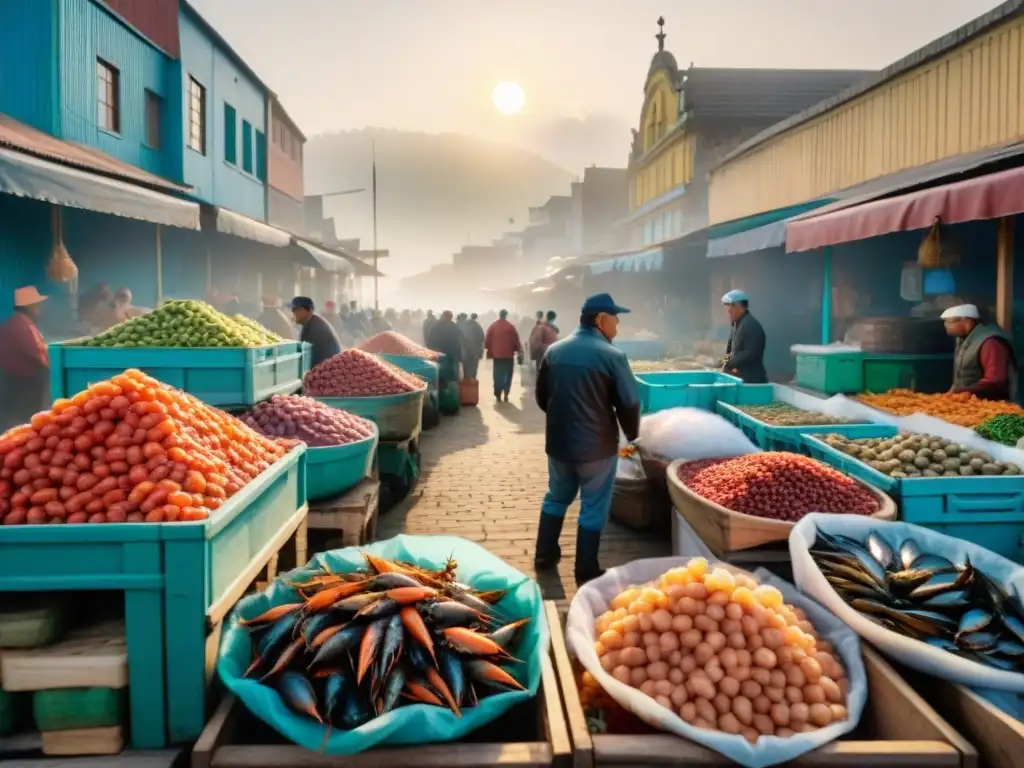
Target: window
108	83
154	110
196	116
230	135
246	146
261	156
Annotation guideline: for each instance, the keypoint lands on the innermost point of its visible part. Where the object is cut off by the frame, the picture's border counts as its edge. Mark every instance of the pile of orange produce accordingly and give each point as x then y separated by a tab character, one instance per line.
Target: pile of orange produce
723	652
130	449
961	408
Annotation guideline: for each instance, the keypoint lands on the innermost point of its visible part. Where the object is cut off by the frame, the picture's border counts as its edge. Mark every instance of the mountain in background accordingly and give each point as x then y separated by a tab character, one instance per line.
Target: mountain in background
435	192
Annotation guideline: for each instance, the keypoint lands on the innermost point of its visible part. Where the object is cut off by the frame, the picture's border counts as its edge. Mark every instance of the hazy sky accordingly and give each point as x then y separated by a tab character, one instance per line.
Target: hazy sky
430	65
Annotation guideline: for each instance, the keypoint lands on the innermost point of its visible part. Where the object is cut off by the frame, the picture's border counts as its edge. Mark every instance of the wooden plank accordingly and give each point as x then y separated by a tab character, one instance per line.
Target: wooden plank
583	746
84	741
354	515
95	656
456	755
164	758
1004	273
219	729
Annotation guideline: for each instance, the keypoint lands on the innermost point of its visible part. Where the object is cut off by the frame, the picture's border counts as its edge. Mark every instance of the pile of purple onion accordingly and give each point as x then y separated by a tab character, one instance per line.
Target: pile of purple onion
295	417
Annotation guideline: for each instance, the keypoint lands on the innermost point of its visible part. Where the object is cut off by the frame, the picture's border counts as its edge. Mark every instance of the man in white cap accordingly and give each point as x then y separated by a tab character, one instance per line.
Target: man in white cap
24	361
744	354
985	362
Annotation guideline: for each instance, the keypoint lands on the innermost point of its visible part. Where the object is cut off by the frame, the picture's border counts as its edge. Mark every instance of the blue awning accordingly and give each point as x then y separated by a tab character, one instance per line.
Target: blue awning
28	176
650	260
769	236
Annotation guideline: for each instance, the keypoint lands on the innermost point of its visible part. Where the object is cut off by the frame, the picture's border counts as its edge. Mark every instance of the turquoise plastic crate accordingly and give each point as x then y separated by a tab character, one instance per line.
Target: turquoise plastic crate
694	389
770	437
988	511
220	376
836	373
204	562
427	370
171	574
642	349
397	417
332	470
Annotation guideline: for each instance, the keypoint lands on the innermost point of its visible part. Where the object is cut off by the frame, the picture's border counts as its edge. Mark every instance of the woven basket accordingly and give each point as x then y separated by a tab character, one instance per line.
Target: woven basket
631	503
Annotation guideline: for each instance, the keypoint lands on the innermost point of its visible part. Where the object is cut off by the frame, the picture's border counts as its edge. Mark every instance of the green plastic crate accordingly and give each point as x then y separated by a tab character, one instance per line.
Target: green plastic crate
929	374
62	709
833	374
11	706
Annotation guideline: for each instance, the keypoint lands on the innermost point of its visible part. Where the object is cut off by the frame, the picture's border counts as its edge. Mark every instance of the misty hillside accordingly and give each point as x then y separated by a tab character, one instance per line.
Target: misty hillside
435	192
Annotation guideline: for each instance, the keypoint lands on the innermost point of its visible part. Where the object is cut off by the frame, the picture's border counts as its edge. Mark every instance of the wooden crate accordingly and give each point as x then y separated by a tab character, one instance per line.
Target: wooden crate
725	531
26	751
531	735
899	729
347	520
998	736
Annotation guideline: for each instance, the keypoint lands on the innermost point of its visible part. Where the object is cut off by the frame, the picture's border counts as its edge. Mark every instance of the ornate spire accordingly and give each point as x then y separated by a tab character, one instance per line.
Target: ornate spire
661	33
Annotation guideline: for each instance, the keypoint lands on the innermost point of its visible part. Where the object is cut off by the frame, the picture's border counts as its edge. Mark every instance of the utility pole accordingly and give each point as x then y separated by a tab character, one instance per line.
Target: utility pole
376	299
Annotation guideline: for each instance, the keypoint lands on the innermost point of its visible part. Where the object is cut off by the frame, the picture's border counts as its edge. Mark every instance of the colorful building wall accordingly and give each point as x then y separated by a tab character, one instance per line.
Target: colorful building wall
286	188
969	98
156	19
230	168
144	89
28	71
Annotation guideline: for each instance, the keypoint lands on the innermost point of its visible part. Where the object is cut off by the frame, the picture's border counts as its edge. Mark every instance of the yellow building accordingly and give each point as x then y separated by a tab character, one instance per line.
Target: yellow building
691	119
961	94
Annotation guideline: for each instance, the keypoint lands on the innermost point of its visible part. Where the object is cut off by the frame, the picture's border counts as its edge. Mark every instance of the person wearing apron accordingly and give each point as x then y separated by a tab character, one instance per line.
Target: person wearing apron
24	361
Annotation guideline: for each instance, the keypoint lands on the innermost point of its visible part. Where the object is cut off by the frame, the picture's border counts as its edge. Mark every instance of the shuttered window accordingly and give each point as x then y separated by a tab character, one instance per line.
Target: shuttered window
246	146
230	135
261	156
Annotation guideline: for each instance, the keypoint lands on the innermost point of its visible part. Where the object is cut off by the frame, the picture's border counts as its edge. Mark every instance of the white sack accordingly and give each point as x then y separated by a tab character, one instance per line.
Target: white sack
912	653
692	434
829	349
592	600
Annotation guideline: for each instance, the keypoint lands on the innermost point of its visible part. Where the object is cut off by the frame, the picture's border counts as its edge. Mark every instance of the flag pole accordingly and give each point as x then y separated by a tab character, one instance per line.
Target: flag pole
376	301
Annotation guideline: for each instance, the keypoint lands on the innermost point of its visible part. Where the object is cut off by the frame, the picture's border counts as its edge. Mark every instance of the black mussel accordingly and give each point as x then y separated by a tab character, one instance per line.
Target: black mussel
1010	648
943	643
852	573
933	563
822	556
935	585
974	620
356	711
912	621
907	580
907	553
956	598
978	641
1015	627
879	549
856	589
418	656
837	542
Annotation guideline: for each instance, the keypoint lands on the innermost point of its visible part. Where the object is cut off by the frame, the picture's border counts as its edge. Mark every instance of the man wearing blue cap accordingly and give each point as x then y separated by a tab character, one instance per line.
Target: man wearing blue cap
744	354
315	330
587	390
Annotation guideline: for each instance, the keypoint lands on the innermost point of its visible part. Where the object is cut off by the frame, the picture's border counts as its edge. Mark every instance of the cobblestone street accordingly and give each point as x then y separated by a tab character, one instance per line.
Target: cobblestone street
484	474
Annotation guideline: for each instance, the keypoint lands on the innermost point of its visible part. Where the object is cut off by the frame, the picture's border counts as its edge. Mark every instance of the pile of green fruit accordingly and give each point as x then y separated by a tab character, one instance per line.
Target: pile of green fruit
914	455
185	323
786	415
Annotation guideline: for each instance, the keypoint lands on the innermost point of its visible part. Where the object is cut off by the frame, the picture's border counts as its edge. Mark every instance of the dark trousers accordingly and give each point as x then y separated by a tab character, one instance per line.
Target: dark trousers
503	370
470	366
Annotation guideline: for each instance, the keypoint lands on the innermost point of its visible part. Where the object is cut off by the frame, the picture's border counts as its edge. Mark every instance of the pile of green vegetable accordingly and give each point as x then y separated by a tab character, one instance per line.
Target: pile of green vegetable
1006	428
913	455
186	323
786	415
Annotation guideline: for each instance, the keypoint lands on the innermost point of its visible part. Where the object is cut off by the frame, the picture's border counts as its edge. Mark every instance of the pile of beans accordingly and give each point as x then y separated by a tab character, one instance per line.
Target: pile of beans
303	418
723	653
777	485
391	343
127	450
355	373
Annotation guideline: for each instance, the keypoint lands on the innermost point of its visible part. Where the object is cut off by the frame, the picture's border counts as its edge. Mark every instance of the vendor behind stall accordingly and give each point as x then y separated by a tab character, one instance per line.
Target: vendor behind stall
315	330
985	362
24	361
744	354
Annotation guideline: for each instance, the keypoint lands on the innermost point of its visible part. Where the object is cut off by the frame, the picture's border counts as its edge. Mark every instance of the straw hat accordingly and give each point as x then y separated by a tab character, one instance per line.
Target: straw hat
27	296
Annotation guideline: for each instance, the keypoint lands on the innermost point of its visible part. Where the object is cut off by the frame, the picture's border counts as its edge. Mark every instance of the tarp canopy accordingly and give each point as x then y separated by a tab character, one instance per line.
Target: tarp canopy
27	176
650	260
756	233
237	225
336	261
984	197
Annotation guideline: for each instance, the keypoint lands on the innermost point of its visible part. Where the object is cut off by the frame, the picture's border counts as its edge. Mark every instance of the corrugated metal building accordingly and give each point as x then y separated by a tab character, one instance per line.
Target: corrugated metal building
285	179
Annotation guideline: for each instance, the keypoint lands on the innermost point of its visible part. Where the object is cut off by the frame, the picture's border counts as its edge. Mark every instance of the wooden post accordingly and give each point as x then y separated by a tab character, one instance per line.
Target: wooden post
1004	273
159	268
826	299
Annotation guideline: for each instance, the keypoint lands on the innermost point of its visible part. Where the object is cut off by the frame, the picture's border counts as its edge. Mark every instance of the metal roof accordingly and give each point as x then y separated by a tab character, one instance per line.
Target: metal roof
24	138
934	49
761	93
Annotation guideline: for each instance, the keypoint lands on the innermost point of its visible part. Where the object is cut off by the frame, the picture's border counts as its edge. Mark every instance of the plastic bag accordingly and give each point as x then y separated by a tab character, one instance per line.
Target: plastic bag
592	600
630	468
418	724
912	653
690	433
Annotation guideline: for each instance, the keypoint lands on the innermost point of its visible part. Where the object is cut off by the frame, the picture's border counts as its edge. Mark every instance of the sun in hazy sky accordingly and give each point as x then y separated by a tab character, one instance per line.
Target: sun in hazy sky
508	98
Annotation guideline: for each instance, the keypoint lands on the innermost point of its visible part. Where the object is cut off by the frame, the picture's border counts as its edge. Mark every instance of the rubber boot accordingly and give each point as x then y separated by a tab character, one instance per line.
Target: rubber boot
587	567
548	552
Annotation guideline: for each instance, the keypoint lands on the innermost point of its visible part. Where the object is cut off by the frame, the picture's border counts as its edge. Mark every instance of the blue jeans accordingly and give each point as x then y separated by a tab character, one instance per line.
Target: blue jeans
469	367
503	370
593	480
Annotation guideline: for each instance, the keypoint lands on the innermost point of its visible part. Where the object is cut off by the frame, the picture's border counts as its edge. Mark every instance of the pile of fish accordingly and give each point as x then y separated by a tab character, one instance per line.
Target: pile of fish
356	645
926	597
